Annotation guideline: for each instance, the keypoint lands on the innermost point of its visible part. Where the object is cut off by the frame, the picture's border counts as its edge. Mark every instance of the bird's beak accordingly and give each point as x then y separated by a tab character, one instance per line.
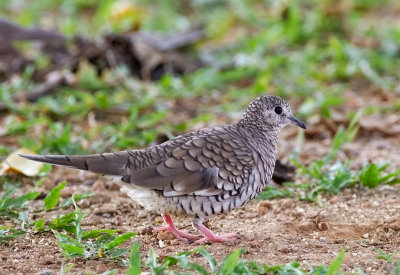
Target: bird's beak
298	122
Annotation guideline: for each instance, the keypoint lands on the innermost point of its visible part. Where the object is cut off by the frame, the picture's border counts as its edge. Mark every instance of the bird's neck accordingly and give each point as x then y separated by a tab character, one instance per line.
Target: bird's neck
264	137
264	141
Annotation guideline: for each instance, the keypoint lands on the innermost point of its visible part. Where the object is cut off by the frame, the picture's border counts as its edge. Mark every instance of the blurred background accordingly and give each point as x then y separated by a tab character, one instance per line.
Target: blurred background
88	76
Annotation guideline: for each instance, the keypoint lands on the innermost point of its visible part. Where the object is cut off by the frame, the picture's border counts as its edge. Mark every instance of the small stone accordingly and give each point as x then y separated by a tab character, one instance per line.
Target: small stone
43	272
100	199
286	203
322	239
323	226
165	235
285	250
101	268
142	214
347	260
48	260
108	208
174	242
98	185
67	192
161	243
158	220
114	186
263	206
395	225
147	231
365	236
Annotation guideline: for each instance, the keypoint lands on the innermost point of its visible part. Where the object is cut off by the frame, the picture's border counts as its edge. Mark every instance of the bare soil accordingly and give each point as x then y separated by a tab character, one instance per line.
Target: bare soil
272	232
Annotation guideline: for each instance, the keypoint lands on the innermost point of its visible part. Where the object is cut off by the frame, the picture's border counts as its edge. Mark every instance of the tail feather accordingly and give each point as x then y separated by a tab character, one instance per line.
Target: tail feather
106	164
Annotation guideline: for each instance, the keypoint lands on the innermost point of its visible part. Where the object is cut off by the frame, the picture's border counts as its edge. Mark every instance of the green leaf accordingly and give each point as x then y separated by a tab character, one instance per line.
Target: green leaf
39	225
71	247
51	199
273	193
119	240
183	262
116	253
211	260
77	197
134	260
7	234
97	232
77	222
385	256
155	269
397	269
63	222
335	265
65	270
369	176
9	203
229	263
71	250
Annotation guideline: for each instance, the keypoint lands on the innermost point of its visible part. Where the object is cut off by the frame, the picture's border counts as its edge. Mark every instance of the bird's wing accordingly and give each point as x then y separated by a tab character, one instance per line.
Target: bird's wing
205	165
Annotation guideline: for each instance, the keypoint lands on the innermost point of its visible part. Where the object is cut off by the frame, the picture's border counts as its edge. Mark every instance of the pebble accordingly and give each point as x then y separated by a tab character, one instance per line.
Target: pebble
286	203
48	260
142	214
99	185
67	192
109	208
101	268
323	226
263	206
113	186
43	272
161	243
174	242
394	225
285	250
164	235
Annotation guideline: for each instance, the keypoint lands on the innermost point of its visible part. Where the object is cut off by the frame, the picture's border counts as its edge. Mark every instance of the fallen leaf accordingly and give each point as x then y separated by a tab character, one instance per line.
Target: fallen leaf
15	163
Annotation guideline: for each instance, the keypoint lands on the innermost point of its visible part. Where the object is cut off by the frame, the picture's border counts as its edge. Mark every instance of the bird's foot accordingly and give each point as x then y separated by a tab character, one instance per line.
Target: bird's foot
226	238
211	237
179	234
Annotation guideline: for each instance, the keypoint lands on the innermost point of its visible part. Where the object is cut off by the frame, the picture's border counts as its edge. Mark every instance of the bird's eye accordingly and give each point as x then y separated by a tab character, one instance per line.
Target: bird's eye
278	110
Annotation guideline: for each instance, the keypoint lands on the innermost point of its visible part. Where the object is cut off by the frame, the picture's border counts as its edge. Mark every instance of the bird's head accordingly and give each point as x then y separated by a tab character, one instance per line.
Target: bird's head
271	111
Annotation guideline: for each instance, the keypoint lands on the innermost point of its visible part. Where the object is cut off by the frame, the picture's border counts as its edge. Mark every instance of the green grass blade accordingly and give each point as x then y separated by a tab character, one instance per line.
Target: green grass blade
335	265
97	232
397	269
134	260
119	240
211	260
51	199
9	203
39	225
369	176
77	197
229	263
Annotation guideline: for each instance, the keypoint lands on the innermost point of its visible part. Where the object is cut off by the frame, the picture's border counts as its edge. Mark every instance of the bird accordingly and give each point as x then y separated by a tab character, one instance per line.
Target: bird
198	174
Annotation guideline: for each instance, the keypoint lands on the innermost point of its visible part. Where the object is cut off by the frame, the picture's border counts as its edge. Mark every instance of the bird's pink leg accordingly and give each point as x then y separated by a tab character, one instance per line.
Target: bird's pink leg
179	234
211	237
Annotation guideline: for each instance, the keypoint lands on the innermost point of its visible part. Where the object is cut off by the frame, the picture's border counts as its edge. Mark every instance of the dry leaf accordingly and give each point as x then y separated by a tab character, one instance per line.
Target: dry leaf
15	163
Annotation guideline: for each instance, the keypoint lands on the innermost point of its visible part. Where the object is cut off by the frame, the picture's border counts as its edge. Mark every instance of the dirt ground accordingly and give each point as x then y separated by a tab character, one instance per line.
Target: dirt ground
272	232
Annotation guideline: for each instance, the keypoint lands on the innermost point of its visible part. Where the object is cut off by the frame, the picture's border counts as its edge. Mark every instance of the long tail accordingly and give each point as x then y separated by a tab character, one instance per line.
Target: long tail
106	164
